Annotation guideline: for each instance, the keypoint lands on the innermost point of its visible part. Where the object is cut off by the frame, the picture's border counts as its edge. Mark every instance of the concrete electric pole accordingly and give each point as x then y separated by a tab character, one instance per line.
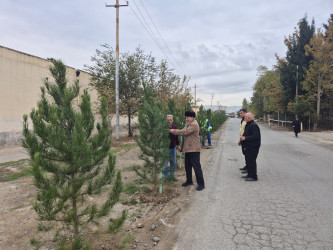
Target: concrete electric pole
195	95
117	64
296	83
211	103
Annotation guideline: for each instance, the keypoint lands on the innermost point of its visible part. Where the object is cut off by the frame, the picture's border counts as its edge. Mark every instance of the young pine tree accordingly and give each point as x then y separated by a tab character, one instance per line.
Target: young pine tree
67	156
153	139
177	113
201	117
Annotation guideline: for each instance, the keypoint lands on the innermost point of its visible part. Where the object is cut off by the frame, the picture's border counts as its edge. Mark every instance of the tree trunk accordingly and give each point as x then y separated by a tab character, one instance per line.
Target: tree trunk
75	217
130	134
155	169
315	125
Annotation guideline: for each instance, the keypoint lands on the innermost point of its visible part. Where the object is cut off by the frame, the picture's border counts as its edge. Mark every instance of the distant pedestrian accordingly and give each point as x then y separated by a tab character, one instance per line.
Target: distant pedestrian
207	128
191	147
297	126
251	141
242	113
169	173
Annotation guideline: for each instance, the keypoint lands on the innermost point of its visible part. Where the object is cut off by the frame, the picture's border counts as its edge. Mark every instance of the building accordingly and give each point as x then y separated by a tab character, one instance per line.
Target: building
21	76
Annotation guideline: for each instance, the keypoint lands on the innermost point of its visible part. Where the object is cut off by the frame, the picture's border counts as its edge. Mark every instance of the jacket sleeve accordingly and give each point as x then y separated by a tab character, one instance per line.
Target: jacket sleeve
186	131
255	135
177	139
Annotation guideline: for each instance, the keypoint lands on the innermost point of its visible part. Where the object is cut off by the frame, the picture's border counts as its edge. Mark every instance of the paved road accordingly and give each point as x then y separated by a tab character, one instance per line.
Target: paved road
290	207
12	154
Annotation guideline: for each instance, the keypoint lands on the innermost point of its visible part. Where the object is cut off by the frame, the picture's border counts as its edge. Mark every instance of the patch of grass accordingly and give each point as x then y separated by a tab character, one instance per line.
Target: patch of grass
115	225
14	176
126	240
123	147
13	163
144	188
35	243
15	208
133	202
78	243
131	188
132	168
129	202
139	181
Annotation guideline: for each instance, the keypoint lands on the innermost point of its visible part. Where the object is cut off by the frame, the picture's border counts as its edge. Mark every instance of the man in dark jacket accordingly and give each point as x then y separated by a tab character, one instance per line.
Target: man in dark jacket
242	113
297	126
251	141
174	142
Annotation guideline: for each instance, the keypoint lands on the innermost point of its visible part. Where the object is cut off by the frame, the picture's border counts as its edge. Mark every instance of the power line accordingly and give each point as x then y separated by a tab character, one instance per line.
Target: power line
151	33
144	19
166	45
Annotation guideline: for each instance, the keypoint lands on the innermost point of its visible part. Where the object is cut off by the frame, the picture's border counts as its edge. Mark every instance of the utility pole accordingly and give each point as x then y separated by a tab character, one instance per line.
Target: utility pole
117	63
195	95
296	83
211	103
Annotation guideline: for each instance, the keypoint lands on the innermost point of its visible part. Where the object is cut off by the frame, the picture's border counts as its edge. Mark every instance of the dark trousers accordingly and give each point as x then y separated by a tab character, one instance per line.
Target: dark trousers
244	155
193	160
251	161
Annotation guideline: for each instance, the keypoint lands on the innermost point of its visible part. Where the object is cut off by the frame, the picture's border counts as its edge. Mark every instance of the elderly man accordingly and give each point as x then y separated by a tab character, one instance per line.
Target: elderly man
174	142
191	148
251	141
242	113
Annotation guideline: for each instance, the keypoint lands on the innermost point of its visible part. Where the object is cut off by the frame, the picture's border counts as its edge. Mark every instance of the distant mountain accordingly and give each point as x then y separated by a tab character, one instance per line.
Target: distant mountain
233	109
228	109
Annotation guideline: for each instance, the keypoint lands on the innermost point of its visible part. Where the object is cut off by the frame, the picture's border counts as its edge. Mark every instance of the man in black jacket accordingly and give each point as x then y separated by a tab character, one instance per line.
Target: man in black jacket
297	126
251	141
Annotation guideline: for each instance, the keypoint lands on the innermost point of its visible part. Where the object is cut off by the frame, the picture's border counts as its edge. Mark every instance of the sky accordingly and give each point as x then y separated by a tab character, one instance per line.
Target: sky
219	44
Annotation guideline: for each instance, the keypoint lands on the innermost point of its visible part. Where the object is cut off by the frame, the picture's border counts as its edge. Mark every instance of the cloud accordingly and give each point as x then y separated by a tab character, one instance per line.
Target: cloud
219	44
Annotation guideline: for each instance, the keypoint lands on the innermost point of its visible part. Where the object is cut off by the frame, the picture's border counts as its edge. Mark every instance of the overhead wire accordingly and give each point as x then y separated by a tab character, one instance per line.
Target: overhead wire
144	19
166	45
151	33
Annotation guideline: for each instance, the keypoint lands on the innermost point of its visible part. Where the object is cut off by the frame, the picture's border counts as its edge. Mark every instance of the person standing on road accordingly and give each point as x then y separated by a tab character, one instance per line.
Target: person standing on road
207	128
174	142
191	147
297	126
251	141
242	113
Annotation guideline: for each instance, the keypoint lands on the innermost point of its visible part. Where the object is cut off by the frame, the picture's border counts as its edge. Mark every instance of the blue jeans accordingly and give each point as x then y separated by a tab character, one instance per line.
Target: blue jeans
209	140
172	153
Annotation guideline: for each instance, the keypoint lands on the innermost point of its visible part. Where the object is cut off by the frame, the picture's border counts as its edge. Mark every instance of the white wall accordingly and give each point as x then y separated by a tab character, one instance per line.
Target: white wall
21	76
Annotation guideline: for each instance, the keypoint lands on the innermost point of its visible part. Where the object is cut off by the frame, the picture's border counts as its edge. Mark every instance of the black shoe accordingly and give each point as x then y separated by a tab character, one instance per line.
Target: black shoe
250	179
174	179
244	168
245	176
244	171
199	188
185	184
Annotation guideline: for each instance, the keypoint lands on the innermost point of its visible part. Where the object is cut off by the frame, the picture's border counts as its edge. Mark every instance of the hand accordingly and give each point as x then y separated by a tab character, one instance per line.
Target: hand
239	143
171	131
242	138
179	148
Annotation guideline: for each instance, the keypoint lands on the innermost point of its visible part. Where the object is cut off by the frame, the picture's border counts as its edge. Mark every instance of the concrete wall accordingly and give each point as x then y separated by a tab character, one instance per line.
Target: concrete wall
21	76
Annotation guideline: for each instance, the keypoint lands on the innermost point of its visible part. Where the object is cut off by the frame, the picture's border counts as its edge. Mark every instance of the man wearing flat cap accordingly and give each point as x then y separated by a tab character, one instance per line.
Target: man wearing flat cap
191	147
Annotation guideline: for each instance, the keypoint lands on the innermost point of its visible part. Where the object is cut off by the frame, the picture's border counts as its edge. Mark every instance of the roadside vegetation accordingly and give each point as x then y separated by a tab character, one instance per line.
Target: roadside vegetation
301	83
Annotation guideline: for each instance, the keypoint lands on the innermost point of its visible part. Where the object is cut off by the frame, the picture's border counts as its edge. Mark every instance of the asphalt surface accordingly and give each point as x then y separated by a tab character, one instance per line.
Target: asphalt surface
12	154
289	207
